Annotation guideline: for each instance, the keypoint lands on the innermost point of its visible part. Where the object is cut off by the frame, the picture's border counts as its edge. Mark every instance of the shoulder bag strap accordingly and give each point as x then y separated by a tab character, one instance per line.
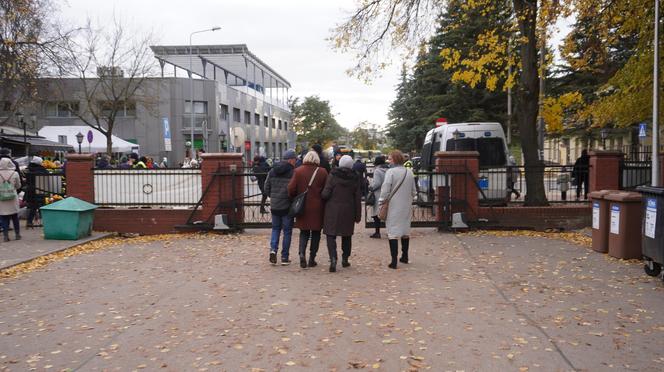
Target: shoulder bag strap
399	185
313	176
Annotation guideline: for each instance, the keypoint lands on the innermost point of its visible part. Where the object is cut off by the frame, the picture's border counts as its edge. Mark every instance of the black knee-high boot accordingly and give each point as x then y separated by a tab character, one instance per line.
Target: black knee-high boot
404	250
304	239
332	251
394	251
315	242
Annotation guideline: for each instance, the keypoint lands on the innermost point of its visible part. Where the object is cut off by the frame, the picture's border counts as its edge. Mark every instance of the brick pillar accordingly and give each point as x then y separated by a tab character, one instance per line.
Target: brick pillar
463	168
221	196
80	177
604	172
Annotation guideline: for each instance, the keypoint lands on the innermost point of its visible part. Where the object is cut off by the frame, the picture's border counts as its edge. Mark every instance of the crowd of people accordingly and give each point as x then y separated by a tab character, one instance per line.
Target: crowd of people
332	194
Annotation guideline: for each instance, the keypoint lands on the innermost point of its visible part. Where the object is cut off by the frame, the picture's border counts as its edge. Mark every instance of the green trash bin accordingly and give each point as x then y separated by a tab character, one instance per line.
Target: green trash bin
68	219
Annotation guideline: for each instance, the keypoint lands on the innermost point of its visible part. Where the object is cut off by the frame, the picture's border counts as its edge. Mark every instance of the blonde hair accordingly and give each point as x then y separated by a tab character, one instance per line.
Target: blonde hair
311	158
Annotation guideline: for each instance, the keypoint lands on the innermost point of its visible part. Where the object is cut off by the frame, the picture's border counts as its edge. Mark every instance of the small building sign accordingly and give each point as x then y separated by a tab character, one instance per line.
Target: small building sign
643	131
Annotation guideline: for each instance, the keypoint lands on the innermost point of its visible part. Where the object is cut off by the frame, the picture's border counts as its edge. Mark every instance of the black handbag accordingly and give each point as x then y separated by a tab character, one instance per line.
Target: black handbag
371	198
297	205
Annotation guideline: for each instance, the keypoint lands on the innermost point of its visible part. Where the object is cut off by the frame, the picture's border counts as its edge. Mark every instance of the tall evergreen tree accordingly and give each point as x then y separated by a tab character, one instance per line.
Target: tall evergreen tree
429	92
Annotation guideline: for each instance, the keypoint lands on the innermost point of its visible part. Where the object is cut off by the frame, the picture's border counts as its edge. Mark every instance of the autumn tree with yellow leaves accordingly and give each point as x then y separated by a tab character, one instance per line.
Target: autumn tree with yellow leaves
603	49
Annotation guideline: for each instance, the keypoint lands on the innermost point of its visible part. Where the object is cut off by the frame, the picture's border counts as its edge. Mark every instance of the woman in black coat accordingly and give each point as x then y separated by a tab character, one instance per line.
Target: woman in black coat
343	209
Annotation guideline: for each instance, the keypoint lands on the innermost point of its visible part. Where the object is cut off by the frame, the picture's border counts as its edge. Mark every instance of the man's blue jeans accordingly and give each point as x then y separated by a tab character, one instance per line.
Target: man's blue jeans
280	223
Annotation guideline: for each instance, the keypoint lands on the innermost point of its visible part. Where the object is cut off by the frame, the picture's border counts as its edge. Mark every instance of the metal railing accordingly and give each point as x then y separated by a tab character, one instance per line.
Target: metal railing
147	187
634	173
561	184
43	185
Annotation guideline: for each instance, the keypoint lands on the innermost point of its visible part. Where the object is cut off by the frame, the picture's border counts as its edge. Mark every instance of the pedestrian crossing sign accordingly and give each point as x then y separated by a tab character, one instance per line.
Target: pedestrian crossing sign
642	130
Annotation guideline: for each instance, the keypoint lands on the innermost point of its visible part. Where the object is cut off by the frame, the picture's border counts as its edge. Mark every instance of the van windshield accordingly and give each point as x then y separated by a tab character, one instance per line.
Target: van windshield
491	149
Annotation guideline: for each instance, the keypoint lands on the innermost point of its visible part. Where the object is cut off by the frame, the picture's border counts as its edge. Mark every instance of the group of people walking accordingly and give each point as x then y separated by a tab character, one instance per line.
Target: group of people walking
333	205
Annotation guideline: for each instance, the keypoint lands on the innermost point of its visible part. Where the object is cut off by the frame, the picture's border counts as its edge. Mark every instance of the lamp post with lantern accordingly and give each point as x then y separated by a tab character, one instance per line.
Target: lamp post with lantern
79	139
604	133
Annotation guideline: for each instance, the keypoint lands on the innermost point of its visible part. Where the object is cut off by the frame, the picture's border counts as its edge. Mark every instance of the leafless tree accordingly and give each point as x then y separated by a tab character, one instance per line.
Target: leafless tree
30	45
107	70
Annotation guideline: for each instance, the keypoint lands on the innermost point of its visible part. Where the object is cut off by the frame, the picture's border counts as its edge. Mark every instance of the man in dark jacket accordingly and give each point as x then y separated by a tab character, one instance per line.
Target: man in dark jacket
276	187
34	198
580	174
361	169
324	161
260	170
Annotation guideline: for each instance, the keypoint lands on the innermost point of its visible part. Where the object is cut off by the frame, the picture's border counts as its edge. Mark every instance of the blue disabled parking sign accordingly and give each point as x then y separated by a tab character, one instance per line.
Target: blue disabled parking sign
642	130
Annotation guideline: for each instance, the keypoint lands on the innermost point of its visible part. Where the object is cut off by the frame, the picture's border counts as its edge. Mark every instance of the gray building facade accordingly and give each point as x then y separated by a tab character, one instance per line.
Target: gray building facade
247	114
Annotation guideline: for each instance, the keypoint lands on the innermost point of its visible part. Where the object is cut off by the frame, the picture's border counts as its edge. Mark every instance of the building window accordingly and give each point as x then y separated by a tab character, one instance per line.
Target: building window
223	112
257	120
279	123
247	117
257	148
5	109
285	125
274	123
265	121
281	150
267	149
236	115
274	150
62	139
200	107
61	109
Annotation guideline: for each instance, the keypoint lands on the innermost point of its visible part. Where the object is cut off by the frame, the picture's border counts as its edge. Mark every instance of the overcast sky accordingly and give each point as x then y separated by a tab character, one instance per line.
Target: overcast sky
288	35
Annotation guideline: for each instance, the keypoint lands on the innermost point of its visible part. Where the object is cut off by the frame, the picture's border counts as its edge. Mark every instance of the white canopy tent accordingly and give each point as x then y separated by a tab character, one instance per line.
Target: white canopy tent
53	133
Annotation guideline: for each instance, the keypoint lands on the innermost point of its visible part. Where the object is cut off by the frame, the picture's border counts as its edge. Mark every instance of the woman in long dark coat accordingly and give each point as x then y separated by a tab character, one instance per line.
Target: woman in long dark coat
342	210
310	222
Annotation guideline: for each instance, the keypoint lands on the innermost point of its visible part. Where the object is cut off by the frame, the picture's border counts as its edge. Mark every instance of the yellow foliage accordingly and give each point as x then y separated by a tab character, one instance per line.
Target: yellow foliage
554	109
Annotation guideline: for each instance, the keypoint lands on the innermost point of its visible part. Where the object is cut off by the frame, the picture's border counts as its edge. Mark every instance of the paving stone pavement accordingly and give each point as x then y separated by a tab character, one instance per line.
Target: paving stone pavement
213	302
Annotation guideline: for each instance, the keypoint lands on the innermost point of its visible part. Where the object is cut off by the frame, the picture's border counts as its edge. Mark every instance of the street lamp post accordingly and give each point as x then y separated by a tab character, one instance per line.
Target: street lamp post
604	133
655	104
191	82
79	139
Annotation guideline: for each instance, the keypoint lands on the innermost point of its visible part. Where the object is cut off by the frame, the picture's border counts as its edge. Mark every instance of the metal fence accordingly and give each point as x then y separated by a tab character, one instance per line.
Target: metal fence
46	184
561	184
634	173
147	187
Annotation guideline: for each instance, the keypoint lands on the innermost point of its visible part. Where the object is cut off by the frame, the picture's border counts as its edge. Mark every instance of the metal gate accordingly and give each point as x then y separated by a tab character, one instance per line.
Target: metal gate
430	207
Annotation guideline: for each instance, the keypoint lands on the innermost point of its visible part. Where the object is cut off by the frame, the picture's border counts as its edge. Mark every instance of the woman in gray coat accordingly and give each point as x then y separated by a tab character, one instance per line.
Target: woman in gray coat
9	204
343	209
399	188
377	181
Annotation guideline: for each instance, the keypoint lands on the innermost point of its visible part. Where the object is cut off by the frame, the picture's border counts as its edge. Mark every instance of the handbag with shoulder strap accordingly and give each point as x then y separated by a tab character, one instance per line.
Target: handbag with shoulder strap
297	205
384	208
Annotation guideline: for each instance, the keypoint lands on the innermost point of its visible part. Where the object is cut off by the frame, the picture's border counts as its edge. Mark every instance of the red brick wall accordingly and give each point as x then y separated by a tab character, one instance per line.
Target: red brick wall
142	221
80	180
604	172
221	188
566	217
462	186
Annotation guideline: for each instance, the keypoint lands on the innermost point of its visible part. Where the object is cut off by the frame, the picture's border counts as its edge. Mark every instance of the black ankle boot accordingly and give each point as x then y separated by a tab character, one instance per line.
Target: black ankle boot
345	248
394	252
376	235
332	252
404	250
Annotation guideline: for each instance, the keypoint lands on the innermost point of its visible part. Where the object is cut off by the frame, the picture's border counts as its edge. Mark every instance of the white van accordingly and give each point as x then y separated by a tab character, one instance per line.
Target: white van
486	138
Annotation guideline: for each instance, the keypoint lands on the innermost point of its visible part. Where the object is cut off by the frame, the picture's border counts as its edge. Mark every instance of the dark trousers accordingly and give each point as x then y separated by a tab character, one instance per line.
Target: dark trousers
315	240
5	224
346	242
582	183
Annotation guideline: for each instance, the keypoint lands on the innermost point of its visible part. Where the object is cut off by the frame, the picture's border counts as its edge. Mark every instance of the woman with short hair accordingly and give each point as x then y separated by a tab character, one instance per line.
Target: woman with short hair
343	209
380	168
309	176
399	189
